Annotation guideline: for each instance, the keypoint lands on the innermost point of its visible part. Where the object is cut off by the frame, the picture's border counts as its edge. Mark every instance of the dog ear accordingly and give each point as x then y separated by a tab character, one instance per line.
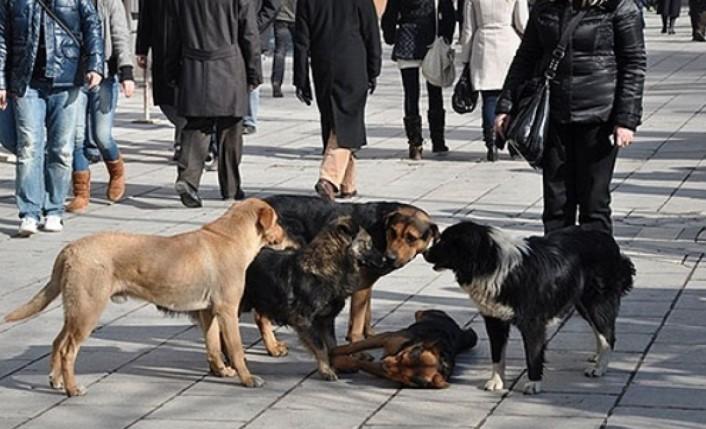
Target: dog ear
435	234
266	218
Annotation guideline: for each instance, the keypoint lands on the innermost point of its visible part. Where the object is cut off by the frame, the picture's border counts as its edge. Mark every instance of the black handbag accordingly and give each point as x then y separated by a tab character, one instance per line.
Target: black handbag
529	118
465	97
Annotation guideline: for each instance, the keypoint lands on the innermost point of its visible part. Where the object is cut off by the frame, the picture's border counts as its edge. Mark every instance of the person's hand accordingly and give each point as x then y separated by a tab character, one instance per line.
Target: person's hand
128	87
252	88
372	84
622	137
141	61
304	95
502	121
93	79
3	99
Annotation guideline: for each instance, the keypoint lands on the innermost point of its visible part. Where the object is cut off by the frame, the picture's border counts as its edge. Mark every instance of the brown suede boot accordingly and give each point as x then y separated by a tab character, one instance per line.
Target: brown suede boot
116	185
81	183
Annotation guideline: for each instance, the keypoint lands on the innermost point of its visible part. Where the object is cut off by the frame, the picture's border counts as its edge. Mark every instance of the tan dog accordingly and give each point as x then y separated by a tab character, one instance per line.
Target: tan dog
199	271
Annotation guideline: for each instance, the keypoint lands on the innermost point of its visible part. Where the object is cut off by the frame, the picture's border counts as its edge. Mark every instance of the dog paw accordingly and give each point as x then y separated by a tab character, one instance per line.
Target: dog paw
328	375
254	381
532	387
56	383
279	350
224	372
494	384
594	371
77	390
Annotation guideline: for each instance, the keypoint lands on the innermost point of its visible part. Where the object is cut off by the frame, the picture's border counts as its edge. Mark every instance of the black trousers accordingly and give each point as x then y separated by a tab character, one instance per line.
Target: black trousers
284	34
577	169
410	84
196	138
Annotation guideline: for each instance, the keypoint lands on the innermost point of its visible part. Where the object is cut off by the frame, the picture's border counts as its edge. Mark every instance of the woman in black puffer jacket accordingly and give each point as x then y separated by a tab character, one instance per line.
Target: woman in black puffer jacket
410	26
595	97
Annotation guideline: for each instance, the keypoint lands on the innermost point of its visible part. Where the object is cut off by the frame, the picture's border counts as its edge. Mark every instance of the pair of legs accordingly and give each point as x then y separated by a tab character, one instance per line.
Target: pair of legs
577	169
196	139
338	167
45	122
94	123
412	119
284	34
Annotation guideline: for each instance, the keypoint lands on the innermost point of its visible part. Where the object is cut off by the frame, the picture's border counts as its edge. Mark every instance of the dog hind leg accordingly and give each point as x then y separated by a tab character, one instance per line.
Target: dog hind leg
56	377
212	338
498	332
601	316
274	347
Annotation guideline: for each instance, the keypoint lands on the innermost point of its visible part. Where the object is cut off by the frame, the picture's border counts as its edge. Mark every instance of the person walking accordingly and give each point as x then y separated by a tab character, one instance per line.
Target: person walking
97	109
153	27
697	13
266	11
492	31
213	60
345	70
43	75
669	10
411	26
595	102
284	31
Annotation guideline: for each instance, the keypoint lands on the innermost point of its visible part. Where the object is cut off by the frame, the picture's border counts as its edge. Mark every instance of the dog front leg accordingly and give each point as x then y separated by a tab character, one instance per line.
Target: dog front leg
360	311
212	337
313	339
230	327
533	337
274	347
498	331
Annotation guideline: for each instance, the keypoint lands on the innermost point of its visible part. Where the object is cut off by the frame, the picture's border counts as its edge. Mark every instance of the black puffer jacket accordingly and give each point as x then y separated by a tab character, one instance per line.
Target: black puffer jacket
602	75
409	25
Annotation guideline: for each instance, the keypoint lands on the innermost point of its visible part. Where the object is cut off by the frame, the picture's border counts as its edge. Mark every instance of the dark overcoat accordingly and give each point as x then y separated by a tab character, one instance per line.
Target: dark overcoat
214	56
152	33
342	40
670	8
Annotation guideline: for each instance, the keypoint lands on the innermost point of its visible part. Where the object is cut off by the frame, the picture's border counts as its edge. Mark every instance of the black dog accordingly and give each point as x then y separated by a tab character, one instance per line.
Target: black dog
422	355
528	282
399	231
307	288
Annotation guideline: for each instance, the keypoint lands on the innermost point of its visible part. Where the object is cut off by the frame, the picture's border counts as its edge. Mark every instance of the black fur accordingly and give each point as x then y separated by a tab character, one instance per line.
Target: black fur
307	288
570	268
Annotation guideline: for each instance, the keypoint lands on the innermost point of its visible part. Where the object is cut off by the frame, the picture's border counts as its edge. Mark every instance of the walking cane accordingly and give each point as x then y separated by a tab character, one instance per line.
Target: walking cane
146	113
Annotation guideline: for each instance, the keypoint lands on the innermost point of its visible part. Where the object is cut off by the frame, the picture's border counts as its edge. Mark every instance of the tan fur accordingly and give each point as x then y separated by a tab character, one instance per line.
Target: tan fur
199	271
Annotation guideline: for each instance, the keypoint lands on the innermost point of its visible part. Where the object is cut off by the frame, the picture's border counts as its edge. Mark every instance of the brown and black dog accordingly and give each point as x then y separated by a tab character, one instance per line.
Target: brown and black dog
399	231
422	355
200	272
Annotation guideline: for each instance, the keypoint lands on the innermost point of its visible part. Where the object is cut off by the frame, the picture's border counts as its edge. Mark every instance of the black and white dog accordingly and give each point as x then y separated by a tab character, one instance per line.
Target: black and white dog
528	282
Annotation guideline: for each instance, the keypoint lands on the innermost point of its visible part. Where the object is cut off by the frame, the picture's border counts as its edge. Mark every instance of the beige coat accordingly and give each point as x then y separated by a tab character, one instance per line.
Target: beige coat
491	34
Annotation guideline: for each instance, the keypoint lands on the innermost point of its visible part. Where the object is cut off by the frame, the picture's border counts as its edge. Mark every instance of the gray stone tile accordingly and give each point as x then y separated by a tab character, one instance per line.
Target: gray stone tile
556	405
665	394
655	417
513	422
401	412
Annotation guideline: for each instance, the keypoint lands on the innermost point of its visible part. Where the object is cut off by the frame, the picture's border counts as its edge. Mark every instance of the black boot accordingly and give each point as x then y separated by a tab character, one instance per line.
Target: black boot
413	128
671	26
492	150
664	24
437	123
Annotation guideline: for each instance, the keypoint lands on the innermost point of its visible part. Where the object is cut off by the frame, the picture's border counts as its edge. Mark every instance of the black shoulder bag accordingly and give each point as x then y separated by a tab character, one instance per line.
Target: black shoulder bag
529	118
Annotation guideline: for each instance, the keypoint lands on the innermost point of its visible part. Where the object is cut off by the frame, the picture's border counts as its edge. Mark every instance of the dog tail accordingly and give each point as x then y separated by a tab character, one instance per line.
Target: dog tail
625	274
469	339
45	296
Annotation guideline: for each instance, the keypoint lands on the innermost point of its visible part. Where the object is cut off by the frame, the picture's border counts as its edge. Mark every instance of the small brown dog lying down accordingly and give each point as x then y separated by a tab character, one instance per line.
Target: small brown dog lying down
422	355
199	271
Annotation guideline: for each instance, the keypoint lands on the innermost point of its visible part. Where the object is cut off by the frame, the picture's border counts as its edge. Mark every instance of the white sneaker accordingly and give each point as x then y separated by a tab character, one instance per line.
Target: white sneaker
28	226
53	223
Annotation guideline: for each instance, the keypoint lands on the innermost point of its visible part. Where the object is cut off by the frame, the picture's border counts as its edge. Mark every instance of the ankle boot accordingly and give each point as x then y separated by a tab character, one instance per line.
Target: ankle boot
437	124
413	129
671	26
116	184
491	150
664	24
81	183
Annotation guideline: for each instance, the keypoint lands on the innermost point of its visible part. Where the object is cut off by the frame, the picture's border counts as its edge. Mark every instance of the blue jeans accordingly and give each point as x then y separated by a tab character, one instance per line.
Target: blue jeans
251	119
8	136
95	122
490	100
44	156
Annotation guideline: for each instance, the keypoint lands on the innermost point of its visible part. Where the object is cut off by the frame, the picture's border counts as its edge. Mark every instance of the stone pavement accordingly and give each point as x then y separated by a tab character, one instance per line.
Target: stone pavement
144	370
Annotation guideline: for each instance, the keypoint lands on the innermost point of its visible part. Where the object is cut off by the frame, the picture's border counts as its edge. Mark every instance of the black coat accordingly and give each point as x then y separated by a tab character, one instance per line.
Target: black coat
342	38
670	8
409	25
152	33
214	56
602	76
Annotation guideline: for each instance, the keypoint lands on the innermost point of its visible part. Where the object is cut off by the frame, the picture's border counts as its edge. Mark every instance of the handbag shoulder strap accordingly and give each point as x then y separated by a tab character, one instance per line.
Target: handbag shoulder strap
59	22
436	19
560	51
